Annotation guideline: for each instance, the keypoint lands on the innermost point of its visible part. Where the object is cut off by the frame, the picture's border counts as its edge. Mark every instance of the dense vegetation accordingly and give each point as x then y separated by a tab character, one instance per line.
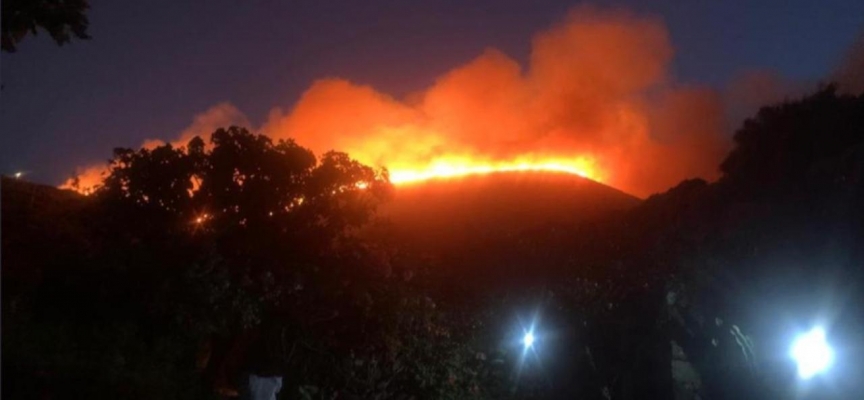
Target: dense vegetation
184	255
63	20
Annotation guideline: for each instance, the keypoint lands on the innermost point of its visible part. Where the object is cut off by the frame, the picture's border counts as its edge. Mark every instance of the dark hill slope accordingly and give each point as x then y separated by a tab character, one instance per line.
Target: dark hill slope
446	213
472	228
42	228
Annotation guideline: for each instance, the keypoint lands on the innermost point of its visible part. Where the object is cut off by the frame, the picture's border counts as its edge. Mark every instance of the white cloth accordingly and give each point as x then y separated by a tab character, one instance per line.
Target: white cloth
264	387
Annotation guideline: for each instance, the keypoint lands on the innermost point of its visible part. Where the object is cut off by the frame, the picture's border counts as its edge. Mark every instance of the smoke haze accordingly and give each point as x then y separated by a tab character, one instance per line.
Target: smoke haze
596	91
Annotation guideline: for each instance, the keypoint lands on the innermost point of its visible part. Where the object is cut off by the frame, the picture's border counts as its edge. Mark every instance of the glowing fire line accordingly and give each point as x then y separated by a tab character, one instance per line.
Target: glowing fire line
451	167
454	169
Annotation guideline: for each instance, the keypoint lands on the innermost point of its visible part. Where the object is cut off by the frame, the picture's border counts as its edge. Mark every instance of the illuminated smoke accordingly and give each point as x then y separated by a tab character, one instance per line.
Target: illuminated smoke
595	98
595	94
88	178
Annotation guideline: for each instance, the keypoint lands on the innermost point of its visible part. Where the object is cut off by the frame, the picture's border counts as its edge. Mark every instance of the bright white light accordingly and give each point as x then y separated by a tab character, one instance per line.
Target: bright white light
812	353
528	340
18	174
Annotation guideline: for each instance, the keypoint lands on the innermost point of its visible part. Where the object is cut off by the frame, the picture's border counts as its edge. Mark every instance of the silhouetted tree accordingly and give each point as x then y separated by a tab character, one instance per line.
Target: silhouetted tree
246	237
62	19
785	147
115	294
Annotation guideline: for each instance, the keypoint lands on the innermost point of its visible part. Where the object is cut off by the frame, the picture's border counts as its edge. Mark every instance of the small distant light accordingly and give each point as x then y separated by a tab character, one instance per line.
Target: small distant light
528	340
18	174
812	353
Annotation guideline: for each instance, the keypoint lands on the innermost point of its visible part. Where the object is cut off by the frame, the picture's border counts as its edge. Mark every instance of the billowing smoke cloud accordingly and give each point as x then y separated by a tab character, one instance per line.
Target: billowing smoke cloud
596	88
220	115
596	85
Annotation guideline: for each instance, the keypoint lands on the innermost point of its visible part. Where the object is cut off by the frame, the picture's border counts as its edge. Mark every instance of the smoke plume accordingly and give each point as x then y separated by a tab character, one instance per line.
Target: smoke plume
595	91
88	178
596	86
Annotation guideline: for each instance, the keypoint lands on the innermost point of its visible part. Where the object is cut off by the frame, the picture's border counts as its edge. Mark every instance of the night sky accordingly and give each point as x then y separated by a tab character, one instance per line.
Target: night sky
153	65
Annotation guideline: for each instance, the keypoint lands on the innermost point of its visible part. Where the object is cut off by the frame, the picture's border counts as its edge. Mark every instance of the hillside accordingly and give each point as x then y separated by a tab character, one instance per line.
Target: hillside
475	232
771	248
40	226
442	214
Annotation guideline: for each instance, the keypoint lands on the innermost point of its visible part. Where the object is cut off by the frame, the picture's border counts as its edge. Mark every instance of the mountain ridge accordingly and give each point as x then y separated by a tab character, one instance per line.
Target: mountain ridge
503	203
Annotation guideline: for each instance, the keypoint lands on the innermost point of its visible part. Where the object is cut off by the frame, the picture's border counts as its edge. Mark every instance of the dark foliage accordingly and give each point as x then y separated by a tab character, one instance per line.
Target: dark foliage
143	289
192	265
774	245
62	19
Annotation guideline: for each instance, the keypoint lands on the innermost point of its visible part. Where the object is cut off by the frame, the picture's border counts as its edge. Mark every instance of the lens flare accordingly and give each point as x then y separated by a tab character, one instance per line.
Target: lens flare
528	340
812	353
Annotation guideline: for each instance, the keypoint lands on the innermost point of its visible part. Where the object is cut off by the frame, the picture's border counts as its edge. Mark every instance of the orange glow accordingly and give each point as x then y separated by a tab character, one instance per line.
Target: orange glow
202	218
595	98
87	180
454	167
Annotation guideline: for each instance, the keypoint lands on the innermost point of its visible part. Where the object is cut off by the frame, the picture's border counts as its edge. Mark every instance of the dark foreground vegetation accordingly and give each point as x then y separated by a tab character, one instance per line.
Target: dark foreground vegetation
148	288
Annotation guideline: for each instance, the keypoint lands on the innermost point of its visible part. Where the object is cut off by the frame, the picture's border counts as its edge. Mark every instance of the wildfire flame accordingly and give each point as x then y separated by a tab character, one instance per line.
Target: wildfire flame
452	167
455	167
595	98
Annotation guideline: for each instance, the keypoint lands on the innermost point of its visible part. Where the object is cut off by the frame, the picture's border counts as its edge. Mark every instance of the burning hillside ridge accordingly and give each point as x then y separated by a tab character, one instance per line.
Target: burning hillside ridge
595	98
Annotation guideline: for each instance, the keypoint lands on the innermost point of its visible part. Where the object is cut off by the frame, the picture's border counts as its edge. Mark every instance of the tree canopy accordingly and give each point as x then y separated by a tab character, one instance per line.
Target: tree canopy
246	183
134	291
62	19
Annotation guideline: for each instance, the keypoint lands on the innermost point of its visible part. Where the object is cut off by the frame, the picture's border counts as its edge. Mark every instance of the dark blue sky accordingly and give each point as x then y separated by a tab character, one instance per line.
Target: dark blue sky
152	65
